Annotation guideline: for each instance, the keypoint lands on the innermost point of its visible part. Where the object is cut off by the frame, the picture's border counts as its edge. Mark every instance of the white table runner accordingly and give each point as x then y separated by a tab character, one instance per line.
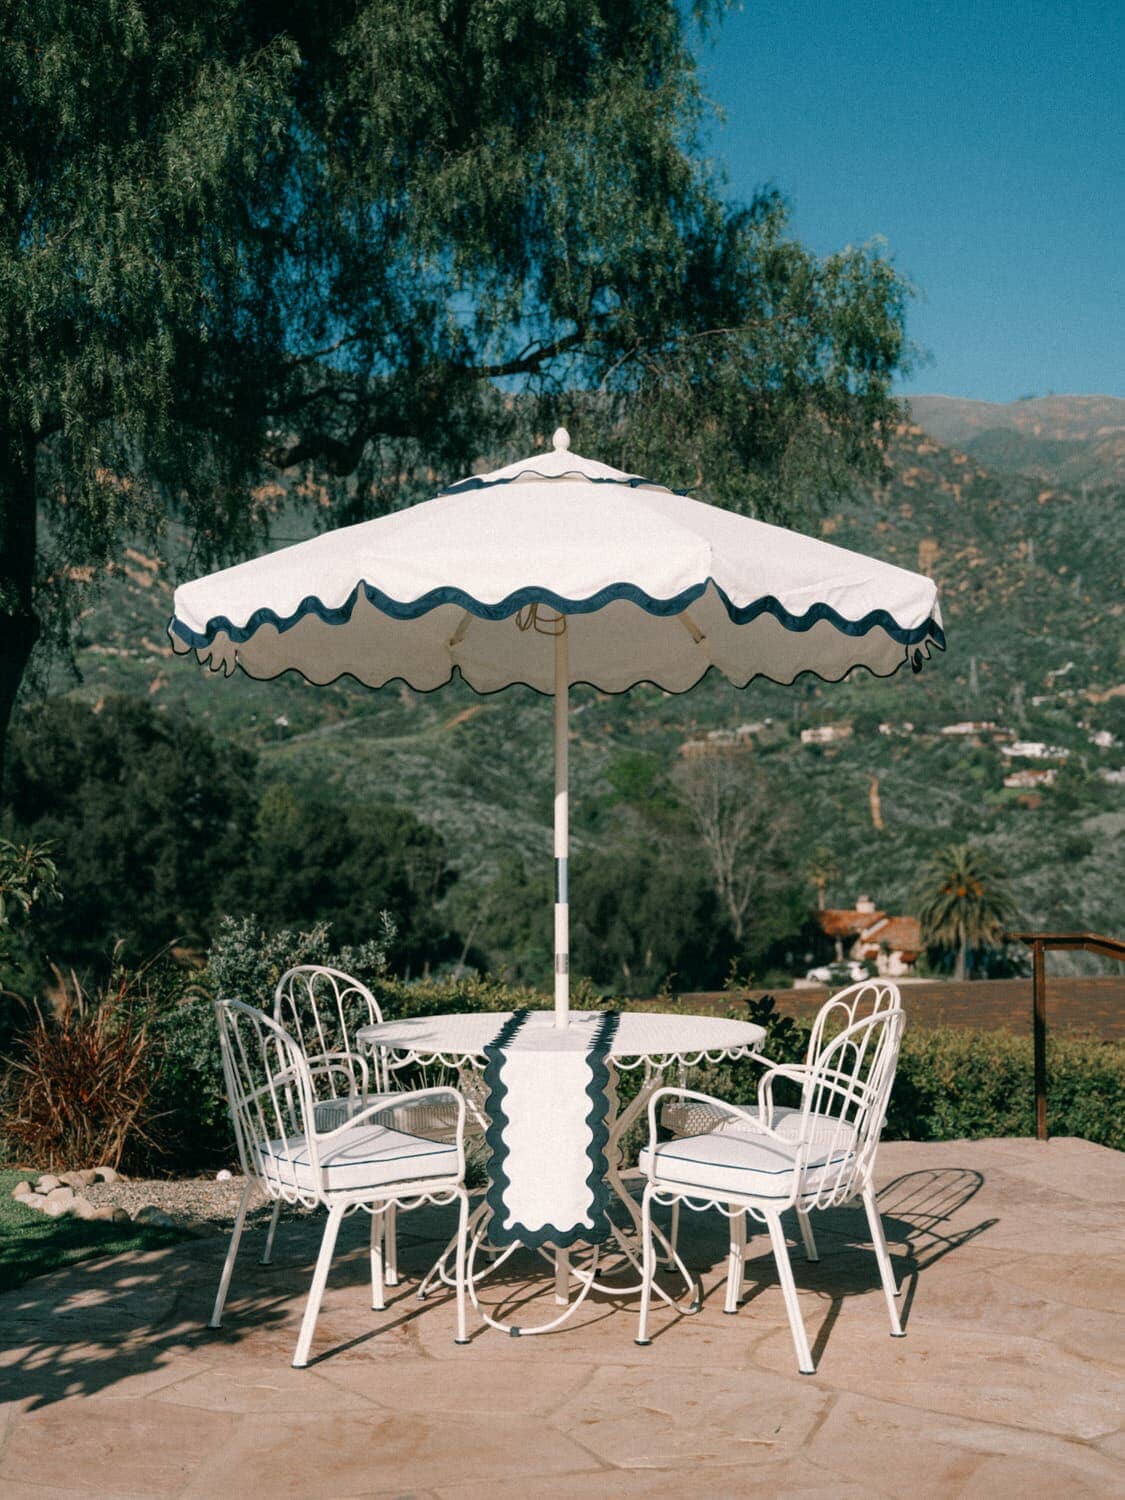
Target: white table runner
549	1111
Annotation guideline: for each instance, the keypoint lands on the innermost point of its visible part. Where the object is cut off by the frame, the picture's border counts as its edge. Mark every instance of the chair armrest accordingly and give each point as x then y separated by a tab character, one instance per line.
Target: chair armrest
796	1072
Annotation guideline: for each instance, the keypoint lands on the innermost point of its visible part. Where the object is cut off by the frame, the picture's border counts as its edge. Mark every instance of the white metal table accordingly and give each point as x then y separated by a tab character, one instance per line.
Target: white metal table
650	1040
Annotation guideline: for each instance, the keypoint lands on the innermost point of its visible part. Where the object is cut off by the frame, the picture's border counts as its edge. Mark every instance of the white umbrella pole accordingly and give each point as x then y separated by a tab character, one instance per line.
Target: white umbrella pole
562	829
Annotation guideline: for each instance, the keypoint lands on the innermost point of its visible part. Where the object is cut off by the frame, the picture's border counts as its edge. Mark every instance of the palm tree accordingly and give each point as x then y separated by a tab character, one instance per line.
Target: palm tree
963	901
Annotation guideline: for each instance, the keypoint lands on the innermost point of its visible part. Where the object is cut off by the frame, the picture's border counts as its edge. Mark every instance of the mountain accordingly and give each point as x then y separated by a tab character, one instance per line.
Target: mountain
1064	440
1030	575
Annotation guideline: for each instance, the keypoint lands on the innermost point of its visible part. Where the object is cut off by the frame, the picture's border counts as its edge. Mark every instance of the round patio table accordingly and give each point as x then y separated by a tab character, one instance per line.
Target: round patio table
648	1040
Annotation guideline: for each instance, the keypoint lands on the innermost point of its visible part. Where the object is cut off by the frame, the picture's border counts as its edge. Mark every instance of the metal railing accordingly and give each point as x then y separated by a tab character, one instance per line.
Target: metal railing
1039	943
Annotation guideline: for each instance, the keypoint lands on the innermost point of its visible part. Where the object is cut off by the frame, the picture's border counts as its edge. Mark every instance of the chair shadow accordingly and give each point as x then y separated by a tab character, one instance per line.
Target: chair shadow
90	1327
917	1209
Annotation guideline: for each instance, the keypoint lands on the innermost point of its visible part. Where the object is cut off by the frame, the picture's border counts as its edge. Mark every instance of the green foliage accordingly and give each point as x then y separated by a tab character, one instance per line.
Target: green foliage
954	1085
639	923
150	819
28	878
340	235
963	901
317	861
245	964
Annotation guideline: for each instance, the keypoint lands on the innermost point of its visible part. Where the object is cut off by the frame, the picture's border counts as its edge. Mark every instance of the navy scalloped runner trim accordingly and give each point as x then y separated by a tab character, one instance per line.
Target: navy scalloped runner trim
499	1233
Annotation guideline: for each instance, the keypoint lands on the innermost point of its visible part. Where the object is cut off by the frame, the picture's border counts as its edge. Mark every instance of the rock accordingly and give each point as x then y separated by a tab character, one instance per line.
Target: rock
105	1174
55	1204
33	1200
154	1216
82	1208
79	1180
120	1216
107	1213
47	1183
23	1190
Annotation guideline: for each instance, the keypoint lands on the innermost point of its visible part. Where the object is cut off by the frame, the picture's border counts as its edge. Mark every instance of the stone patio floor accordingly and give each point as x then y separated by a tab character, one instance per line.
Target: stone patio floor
1009	1382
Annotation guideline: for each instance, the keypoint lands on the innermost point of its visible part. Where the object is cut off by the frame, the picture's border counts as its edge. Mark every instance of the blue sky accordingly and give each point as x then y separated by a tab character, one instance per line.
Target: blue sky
985	142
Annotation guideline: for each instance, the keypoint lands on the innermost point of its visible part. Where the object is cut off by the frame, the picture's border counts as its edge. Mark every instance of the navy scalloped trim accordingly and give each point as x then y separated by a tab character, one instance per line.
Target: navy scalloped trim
414	609
629	481
597	1119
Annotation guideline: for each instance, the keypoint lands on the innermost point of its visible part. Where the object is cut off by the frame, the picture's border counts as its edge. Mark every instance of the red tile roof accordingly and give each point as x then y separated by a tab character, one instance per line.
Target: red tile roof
836	923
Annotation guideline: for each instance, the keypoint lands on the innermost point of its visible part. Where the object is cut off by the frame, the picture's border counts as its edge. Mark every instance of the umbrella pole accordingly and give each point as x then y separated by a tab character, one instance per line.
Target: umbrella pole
562	828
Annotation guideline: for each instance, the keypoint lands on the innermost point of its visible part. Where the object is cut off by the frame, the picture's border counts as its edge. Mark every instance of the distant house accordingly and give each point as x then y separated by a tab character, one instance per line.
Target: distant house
892	943
1030	780
1034	750
826	734
970	726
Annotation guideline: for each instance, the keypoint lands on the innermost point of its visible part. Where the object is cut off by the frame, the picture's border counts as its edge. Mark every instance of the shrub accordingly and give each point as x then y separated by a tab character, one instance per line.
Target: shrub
964	1085
79	1093
954	1084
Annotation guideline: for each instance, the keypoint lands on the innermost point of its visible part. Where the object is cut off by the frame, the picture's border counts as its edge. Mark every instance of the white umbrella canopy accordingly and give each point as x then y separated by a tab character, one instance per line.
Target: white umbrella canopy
655	586
553	571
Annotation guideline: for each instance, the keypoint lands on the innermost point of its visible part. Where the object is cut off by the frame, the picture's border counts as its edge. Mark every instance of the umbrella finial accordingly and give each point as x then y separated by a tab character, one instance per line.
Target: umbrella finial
561	440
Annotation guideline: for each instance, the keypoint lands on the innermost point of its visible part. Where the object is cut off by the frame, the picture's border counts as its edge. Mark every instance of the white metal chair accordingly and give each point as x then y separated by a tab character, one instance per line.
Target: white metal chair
322	1009
361	1163
761	1161
683	1117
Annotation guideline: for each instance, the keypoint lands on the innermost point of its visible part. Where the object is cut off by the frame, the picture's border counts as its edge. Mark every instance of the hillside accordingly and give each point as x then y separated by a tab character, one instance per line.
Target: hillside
1066	440
1030	578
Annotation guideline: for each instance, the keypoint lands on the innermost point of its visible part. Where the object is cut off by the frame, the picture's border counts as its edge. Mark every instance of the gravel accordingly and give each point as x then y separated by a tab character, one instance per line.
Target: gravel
200	1198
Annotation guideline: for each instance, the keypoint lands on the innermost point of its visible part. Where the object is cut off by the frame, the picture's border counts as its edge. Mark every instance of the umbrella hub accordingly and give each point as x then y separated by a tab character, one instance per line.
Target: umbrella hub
542	618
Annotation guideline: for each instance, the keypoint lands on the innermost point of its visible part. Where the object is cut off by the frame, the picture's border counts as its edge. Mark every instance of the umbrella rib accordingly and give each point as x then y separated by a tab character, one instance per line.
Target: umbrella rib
691	627
462	629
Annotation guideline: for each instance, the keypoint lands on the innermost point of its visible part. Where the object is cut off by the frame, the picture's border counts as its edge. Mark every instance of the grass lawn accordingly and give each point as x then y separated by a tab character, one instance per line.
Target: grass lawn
31	1244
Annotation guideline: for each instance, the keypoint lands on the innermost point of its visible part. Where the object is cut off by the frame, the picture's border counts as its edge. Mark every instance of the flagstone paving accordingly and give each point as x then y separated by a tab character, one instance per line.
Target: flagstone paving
1011	1380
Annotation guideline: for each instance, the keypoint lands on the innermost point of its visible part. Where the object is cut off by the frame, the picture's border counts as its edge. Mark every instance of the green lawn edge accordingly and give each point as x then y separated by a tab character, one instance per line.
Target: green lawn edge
33	1245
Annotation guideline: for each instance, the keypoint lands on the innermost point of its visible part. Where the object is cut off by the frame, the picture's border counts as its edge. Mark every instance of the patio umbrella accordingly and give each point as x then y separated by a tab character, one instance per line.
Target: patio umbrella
553	571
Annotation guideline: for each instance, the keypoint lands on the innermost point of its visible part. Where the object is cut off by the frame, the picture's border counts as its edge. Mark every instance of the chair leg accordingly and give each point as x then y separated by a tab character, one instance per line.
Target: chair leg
673	1236
228	1264
648	1265
379	1218
461	1336
807	1235
886	1270
788	1287
316	1291
736	1258
390	1244
267	1253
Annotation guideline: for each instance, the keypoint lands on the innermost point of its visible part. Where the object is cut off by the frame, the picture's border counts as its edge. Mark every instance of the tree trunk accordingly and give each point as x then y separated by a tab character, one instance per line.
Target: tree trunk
961	966
19	625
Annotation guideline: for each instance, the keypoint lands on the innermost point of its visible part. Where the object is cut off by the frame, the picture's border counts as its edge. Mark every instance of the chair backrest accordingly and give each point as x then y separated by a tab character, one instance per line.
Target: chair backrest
867	998
269	1089
322	1009
846	1091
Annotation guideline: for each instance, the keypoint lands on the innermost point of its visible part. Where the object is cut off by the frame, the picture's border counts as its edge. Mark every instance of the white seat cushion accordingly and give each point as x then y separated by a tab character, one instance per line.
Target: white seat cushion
372	1156
738	1162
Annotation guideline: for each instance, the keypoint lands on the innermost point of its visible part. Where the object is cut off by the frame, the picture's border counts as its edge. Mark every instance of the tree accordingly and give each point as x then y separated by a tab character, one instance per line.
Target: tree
963	901
150	820
377	241
745	830
317	860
